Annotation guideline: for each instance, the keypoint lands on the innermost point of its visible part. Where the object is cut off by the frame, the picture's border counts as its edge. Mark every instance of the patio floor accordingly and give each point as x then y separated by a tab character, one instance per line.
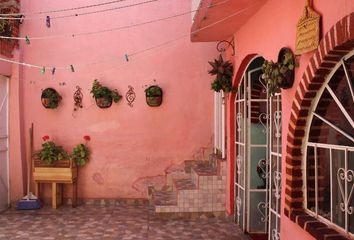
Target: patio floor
110	222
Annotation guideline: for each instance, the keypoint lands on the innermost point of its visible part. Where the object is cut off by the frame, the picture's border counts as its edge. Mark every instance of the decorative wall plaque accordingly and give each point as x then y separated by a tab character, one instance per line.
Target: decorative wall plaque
308	31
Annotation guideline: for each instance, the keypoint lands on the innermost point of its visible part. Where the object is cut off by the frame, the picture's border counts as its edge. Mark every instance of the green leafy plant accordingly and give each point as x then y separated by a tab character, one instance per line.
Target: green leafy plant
223	71
81	153
50	152
99	91
277	74
153	91
50	98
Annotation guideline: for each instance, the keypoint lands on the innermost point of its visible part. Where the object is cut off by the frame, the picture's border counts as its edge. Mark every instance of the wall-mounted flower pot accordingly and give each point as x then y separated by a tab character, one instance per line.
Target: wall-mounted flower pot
153	96
104	102
50	98
289	74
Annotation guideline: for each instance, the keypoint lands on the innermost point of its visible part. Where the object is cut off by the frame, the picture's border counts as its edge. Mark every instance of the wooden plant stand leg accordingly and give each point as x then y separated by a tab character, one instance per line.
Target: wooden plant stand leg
37	189
56	195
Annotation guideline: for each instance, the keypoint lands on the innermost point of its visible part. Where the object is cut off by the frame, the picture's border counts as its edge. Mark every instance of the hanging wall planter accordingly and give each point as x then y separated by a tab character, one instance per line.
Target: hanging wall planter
287	59
103	95
153	96
280	74
223	71
50	98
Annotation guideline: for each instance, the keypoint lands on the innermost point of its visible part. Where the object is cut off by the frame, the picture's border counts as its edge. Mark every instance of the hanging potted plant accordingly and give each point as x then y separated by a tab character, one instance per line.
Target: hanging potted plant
223	71
153	96
103	95
50	98
81	153
280	74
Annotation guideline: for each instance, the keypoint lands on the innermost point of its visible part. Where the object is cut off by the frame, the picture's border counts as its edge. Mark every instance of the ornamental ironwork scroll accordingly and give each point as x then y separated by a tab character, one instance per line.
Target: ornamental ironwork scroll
130	96
78	98
308	31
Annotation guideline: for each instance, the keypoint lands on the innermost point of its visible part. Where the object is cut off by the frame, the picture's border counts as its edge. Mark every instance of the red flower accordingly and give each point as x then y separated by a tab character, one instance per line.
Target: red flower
87	138
45	138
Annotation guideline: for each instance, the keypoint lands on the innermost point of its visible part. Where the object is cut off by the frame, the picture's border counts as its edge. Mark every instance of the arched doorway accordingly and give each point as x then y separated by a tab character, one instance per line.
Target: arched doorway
251	150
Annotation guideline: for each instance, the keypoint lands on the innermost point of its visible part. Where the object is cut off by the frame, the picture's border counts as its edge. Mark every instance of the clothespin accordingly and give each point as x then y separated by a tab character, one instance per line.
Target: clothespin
72	68
28	40
47	21
43	70
126	58
53	70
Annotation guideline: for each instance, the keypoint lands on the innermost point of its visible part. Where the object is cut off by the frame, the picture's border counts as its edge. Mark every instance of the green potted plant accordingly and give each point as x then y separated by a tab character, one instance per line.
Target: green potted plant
50	98
103	95
50	153
81	153
280	74
223	71
154	96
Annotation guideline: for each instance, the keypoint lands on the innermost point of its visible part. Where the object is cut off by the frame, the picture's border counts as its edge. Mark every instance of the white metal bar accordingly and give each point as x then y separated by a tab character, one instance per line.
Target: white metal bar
330	146
331	181
346	202
334	127
346	114
222	126
215	123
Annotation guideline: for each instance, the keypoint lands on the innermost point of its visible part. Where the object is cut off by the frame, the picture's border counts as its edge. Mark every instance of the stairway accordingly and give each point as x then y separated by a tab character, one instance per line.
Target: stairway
199	189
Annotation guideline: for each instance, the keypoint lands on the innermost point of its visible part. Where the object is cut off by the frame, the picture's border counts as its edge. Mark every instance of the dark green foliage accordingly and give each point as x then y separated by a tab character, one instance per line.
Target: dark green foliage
153	91
223	71
275	74
51	153
5	28
80	154
99	91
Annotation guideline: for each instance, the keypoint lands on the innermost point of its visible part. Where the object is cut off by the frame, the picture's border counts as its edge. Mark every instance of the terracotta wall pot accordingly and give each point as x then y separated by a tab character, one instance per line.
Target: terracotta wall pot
50	102
104	102
153	96
154	101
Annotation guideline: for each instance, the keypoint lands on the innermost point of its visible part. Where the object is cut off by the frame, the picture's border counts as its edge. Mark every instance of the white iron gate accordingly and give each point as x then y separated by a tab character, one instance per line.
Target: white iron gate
4	153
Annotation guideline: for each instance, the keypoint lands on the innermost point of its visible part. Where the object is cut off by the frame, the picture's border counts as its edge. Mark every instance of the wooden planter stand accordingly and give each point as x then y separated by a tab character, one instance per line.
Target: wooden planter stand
59	173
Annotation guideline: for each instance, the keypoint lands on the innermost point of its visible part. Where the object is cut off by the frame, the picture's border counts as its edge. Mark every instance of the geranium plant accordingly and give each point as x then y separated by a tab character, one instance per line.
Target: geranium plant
81	153
50	152
223	71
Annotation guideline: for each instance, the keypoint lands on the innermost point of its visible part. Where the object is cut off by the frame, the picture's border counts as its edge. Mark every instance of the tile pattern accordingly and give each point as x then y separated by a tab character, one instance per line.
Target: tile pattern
107	222
203	191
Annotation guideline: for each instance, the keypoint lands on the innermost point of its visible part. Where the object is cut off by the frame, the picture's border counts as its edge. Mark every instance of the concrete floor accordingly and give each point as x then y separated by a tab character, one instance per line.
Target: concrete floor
110	222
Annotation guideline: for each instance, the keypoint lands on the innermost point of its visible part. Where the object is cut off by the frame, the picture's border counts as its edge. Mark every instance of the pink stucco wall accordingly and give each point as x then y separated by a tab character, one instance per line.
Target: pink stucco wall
127	144
274	27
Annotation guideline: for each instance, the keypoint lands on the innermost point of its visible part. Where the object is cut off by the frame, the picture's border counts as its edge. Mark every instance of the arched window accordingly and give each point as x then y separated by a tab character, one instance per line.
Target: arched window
329	149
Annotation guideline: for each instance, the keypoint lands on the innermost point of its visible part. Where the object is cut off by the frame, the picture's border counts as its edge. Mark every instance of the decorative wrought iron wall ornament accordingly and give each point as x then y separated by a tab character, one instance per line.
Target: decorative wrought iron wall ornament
78	98
130	96
223	45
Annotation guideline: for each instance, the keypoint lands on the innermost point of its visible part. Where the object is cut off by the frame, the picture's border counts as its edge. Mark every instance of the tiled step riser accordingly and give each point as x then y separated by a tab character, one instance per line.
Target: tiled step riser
208	182
176	175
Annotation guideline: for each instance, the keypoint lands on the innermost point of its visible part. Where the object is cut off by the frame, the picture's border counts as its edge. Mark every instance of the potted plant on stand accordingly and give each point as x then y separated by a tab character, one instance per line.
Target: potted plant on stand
103	95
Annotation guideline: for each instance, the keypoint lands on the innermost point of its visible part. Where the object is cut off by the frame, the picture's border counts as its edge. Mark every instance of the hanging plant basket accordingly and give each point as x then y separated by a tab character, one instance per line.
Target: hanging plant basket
287	58
153	96
50	98
104	102
103	95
